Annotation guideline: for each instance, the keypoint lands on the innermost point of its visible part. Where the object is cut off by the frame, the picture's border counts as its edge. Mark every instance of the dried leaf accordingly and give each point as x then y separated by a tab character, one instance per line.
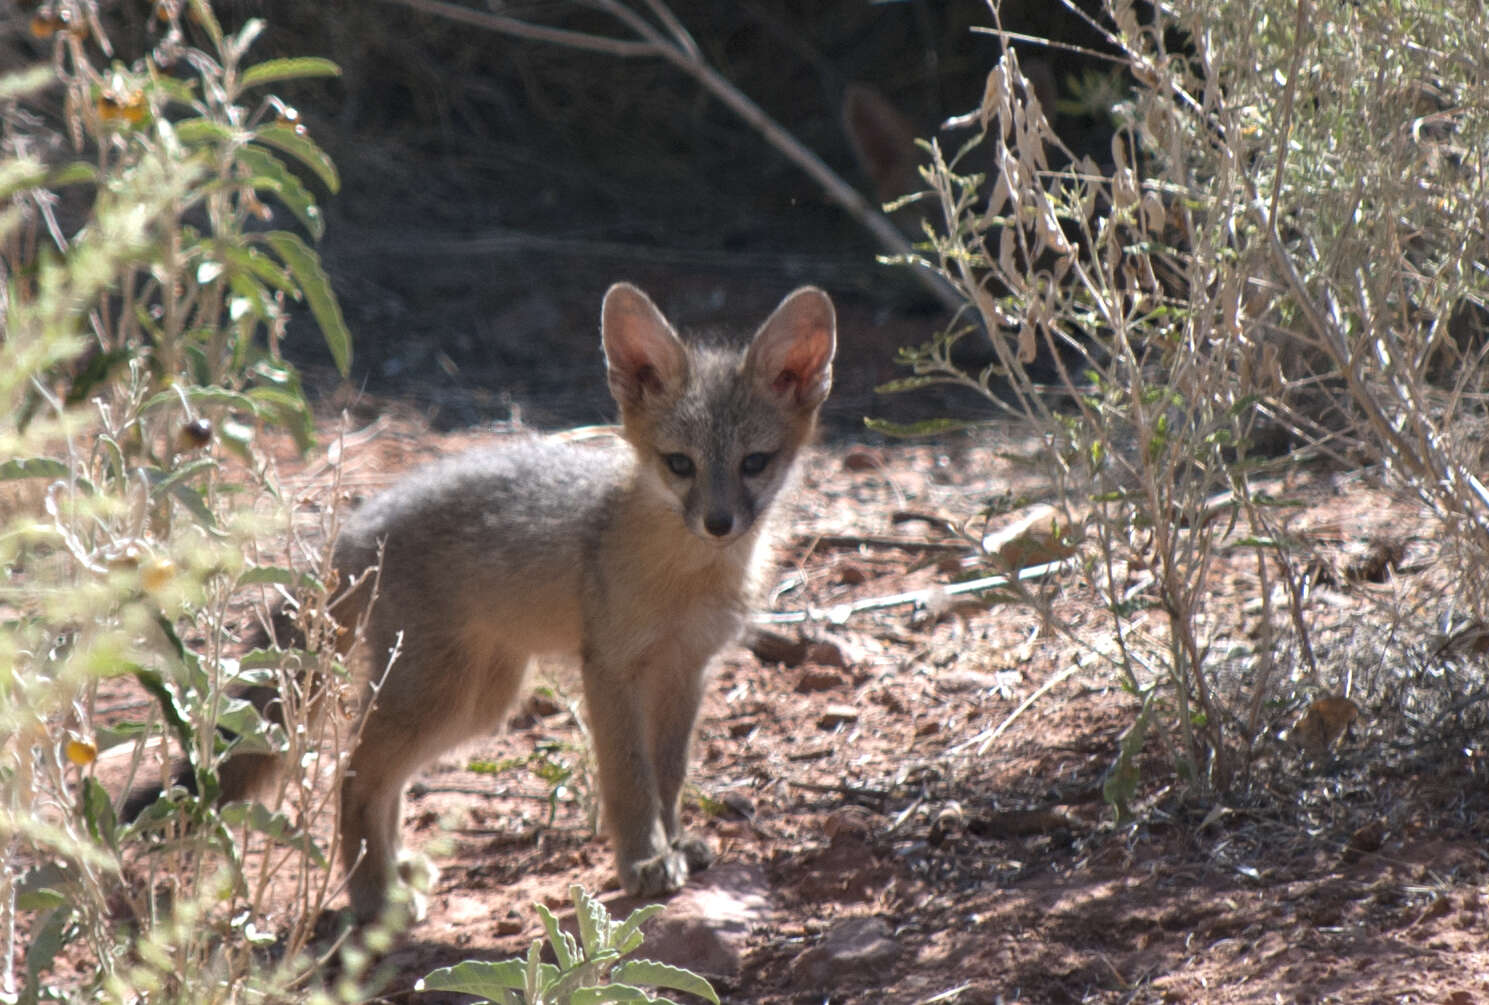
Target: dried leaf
1321	727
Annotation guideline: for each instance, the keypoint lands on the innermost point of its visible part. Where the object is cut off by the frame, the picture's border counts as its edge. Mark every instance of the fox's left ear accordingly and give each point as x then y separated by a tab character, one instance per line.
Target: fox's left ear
792	352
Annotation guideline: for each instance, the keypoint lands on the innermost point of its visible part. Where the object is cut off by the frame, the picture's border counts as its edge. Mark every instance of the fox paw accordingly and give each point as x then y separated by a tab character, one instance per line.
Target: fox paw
656	876
694	850
417	876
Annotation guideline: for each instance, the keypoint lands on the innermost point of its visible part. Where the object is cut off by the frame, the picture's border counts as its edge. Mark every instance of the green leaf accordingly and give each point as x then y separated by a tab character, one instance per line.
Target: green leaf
27	81
287	409
199	132
76	173
191	500
98	813
268	173
47	940
161	483
273	659
33	467
305	265
20	174
302	148
257	265
928	427
477	977
593	921
201	397
267	575
39	889
610	993
175	716
201	13
627	936
908	384
271	70
1121	782
97	371
565	949
275	826
662	975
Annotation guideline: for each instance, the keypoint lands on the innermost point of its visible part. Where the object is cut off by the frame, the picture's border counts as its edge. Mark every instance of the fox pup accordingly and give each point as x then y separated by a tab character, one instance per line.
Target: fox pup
642	560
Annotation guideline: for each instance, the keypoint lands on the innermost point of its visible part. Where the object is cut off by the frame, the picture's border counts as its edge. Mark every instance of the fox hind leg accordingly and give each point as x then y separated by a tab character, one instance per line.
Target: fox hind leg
423	709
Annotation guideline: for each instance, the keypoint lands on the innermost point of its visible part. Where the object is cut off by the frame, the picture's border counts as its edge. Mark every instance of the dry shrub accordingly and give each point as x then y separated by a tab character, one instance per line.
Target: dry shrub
1285	258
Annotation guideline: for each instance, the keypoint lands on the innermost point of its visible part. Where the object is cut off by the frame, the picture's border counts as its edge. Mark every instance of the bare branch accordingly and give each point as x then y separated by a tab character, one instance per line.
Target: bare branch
683	53
533	32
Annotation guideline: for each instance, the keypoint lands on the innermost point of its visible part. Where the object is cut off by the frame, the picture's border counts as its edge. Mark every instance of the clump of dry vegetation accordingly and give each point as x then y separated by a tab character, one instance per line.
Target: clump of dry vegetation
1284	261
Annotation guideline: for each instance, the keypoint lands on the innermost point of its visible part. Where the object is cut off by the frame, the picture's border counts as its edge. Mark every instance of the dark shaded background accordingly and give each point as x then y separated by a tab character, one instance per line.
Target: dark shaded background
494	187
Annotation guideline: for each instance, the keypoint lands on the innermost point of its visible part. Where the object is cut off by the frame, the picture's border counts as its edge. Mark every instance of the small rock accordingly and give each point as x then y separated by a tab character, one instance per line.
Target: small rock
957	681
826	653
948	822
773	647
542	704
741	806
837	715
706	926
814	679
862	947
1374	560
860	459
850	825
851	575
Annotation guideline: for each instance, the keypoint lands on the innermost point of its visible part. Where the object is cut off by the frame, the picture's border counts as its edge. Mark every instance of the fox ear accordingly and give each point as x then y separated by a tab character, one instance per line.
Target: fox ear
792	352
643	355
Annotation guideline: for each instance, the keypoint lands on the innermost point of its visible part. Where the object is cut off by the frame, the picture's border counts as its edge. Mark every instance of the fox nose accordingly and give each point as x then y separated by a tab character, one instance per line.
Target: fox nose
718	524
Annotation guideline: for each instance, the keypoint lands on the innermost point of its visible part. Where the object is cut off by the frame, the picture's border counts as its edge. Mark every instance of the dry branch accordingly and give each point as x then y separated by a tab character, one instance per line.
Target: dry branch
677	48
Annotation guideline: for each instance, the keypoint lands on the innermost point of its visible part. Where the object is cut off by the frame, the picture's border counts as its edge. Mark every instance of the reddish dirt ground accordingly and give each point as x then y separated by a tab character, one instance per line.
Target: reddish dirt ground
940	768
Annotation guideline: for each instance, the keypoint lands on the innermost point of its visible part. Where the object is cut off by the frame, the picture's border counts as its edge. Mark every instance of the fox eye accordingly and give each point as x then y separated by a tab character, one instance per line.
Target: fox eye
680	465
753	464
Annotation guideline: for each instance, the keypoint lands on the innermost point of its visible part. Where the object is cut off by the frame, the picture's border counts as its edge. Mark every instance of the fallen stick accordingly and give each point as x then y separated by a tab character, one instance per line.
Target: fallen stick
839	613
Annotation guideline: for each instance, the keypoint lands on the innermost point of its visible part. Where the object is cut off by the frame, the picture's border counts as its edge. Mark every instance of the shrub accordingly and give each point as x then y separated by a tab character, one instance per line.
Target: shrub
146	294
1285	258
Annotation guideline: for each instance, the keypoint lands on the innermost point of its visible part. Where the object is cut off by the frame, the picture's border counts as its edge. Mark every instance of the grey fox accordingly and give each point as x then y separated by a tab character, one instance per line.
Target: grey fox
642	559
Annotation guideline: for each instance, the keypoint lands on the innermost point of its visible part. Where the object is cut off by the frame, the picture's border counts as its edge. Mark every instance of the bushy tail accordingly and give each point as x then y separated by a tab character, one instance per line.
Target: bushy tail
246	772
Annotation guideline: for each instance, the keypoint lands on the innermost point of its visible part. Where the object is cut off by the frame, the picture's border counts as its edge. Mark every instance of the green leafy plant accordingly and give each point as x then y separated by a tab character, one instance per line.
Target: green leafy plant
589	969
145	300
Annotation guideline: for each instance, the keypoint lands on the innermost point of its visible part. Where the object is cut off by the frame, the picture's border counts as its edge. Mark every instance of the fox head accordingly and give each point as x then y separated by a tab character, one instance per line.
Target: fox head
720	428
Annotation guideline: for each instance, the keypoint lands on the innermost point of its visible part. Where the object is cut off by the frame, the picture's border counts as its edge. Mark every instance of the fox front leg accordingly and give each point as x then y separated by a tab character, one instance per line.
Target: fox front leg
634	816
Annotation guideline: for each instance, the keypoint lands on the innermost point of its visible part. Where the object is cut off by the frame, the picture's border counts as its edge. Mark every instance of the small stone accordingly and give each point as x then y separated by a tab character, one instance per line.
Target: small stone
741	806
837	715
960	681
542	704
863	947
773	647
706	926
861	459
828	654
851	575
850	825
815	679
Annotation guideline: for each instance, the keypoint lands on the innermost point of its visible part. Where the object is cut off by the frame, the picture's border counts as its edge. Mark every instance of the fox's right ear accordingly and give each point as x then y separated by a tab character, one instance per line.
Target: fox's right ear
643	355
